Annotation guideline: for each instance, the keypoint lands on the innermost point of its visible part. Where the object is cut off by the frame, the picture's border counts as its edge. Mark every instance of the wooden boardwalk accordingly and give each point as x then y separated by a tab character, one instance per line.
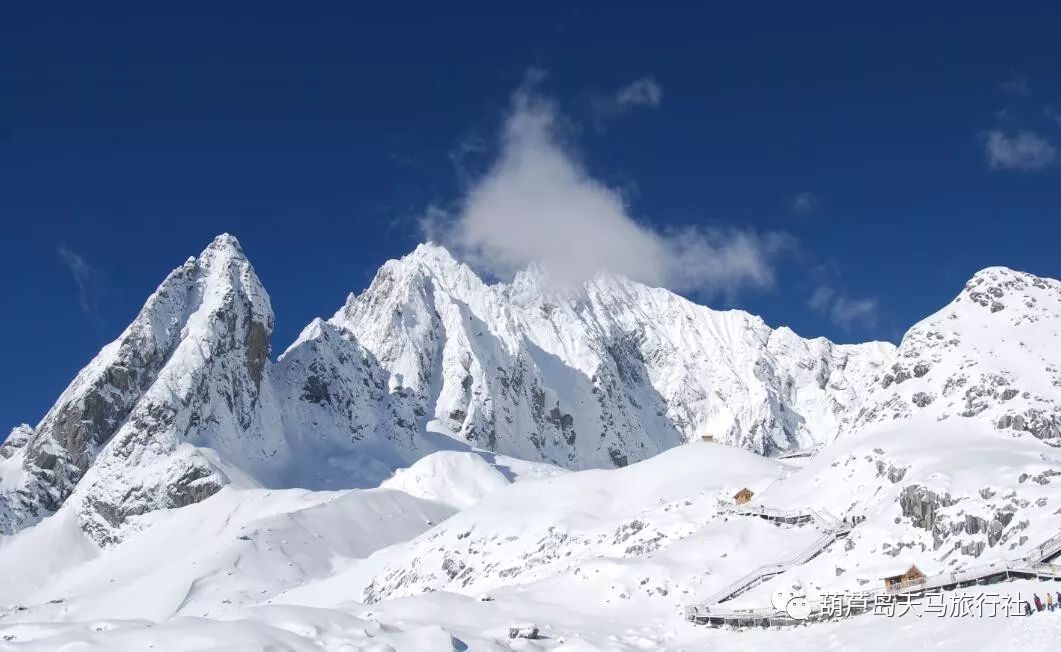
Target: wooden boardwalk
710	613
832	529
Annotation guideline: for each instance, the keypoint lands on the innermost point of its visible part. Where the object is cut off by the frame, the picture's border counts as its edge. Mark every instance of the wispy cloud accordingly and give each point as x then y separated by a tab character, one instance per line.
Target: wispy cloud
805	203
843	310
1016	85
467	156
1012	145
1022	150
88	279
538	202
640	93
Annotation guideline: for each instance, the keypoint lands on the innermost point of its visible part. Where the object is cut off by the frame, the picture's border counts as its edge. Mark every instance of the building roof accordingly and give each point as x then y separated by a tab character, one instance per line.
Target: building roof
909	571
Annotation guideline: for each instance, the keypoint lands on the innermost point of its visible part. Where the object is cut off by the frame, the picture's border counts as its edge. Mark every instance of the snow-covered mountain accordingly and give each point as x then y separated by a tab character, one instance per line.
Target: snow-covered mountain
187	400
989	354
146	423
946	483
439	461
601	374
950	462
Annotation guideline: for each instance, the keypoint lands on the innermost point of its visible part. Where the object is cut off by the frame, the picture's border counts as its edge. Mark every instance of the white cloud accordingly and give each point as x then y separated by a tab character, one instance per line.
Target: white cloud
1024	150
847	311
843	310
538	203
641	92
805	203
86	277
821	298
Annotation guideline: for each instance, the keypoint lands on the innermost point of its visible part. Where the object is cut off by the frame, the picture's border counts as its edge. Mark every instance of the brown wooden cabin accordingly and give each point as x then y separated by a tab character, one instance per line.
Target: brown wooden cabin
742	496
911	577
707	438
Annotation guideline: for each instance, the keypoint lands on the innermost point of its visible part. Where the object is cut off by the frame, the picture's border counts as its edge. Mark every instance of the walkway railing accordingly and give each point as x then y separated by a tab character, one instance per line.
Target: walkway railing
985	574
832	530
803	452
1045	550
1032	566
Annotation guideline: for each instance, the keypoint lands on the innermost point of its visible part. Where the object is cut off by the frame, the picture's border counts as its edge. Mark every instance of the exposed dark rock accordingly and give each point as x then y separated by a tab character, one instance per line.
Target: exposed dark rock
315	390
921	399
523	631
921	505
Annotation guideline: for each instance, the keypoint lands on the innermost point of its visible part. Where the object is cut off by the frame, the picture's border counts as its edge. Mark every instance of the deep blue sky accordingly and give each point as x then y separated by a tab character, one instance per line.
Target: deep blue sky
318	133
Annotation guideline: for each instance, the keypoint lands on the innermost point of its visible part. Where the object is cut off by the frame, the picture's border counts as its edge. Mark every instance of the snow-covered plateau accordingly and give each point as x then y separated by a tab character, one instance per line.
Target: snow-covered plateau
447	464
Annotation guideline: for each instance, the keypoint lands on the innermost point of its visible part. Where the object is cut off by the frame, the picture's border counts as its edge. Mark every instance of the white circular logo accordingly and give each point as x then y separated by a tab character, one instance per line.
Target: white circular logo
780	598
798	608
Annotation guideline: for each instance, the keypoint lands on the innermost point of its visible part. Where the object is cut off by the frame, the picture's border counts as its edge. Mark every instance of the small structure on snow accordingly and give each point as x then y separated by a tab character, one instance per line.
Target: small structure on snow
707	439
912	577
743	496
525	630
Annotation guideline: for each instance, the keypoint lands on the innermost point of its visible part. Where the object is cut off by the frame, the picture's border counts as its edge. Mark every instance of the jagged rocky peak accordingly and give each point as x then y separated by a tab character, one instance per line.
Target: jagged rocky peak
645	368
399	317
208	305
436	258
209	411
18	437
397	278
235	299
995	287
992	354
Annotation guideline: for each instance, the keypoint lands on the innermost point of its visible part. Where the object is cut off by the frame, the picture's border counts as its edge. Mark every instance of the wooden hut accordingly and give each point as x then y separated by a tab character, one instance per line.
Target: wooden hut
742	496
912	577
707	439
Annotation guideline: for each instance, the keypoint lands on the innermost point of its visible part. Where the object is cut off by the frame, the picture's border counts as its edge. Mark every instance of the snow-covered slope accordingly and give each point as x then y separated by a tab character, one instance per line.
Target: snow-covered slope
944	496
237	548
578	525
428	358
460	479
598	559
